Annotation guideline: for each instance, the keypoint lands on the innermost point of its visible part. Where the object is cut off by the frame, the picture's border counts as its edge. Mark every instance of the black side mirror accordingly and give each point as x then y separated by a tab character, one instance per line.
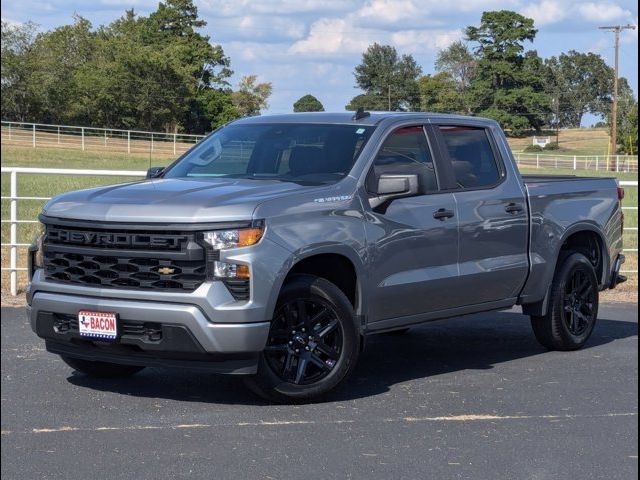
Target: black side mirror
154	172
392	186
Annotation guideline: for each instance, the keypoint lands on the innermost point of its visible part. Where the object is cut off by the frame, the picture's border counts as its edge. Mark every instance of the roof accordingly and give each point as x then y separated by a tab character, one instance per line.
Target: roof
347	117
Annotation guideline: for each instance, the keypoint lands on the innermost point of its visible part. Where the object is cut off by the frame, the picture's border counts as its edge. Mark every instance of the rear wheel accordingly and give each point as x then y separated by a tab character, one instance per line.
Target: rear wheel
100	369
313	343
573	306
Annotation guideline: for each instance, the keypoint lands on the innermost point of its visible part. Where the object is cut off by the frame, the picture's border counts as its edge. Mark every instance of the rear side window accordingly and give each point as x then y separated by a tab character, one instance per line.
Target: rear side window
474	163
406	151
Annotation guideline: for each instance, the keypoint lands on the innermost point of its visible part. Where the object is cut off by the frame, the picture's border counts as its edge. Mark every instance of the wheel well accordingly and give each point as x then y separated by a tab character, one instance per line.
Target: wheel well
590	245
335	268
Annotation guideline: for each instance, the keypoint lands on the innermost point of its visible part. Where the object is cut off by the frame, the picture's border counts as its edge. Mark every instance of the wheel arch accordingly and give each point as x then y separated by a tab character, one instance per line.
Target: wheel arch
575	238
338	264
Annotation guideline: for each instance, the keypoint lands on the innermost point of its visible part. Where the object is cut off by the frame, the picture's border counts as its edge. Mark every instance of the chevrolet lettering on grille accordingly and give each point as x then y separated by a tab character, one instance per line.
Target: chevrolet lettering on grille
100	239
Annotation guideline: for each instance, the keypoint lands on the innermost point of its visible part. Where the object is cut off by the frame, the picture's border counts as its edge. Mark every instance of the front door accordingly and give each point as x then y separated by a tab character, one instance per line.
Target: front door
413	242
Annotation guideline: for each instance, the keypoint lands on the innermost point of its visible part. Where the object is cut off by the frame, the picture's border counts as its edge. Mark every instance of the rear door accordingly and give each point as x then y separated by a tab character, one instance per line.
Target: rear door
413	242
492	215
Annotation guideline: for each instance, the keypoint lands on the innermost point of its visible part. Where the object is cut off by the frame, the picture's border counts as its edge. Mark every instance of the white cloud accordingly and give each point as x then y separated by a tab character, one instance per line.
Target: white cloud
416	41
545	12
389	11
12	23
334	36
602	12
271	7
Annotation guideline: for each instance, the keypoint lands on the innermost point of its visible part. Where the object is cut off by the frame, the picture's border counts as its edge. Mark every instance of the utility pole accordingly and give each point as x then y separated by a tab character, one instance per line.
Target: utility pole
614	107
389	96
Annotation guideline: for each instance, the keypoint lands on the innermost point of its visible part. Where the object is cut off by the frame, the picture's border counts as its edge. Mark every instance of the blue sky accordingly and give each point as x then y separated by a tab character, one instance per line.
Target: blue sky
311	46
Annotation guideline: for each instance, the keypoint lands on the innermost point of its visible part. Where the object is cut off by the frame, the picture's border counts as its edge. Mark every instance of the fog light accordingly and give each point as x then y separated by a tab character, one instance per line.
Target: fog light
230	270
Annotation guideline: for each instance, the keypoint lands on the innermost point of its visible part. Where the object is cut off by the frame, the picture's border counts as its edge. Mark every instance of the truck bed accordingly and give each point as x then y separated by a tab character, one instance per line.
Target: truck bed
561	204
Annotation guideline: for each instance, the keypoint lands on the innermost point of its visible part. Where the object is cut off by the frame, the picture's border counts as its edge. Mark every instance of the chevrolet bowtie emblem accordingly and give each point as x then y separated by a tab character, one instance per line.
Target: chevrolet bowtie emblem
166	270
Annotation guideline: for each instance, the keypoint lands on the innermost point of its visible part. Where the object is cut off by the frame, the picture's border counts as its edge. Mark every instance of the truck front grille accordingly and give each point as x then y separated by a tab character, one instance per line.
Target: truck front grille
128	259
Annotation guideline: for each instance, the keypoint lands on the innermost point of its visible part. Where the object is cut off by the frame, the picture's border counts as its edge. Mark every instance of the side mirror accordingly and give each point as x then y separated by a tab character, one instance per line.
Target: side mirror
392	186
154	172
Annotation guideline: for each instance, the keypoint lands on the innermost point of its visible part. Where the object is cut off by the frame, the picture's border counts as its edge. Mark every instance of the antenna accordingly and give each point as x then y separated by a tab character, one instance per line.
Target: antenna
360	114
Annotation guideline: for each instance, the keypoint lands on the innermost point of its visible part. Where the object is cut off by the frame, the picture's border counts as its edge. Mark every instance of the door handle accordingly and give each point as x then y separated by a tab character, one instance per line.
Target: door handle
513	208
443	214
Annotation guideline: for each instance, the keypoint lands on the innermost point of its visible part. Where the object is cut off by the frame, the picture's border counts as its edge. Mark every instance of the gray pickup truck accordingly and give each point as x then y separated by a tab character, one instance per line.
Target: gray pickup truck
276	245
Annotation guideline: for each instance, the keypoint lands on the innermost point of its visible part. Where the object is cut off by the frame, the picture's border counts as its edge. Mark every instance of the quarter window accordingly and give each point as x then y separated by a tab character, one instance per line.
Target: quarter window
474	163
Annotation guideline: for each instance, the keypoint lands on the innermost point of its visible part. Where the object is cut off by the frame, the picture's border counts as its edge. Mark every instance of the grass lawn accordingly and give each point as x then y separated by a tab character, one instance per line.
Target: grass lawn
573	141
50	185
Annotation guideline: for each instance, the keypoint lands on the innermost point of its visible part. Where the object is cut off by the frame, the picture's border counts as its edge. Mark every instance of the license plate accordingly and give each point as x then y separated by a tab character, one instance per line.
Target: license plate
101	325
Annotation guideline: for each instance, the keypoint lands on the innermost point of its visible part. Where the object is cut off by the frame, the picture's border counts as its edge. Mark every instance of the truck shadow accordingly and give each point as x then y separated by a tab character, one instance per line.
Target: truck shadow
479	342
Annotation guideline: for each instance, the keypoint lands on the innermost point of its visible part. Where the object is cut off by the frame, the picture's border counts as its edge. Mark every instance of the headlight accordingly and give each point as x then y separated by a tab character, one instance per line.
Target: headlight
244	237
35	259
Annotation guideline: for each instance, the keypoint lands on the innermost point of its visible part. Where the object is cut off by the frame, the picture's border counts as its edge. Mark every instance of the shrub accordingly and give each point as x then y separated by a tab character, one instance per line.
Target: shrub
533	148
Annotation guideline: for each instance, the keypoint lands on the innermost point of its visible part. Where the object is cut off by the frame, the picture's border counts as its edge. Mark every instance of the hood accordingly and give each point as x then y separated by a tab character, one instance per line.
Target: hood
173	200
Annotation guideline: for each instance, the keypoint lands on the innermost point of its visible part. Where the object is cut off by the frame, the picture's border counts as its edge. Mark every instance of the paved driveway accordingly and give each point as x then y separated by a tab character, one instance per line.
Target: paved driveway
469	398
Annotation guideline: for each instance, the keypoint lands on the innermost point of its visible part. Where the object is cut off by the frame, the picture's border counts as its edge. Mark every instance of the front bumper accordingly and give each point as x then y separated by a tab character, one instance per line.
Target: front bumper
186	333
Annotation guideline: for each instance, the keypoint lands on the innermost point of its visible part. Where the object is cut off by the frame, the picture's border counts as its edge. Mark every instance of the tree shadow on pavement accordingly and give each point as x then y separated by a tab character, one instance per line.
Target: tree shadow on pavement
478	342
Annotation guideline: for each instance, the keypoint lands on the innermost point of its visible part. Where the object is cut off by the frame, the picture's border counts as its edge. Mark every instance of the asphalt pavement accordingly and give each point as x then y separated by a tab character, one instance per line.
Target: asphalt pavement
468	398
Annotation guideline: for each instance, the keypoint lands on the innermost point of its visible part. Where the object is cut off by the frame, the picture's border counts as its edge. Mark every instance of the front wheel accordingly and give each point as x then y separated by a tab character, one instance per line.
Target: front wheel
573	306
100	369
313	343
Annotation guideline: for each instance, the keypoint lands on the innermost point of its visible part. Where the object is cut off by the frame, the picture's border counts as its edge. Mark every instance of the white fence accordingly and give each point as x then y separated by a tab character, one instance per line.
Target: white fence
617	163
38	135
14	197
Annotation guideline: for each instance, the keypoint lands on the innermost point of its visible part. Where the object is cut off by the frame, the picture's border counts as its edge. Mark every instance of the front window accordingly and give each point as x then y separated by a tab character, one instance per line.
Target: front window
303	153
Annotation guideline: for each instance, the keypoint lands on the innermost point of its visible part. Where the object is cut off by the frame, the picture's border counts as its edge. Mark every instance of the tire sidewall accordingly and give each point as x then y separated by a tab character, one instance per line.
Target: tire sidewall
309	287
572	263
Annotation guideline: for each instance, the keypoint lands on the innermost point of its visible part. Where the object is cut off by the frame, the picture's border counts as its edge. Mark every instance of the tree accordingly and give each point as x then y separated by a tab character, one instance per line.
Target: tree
142	72
440	93
308	103
250	97
627	118
458	61
628	131
61	53
368	102
17	57
388	79
579	83
508	85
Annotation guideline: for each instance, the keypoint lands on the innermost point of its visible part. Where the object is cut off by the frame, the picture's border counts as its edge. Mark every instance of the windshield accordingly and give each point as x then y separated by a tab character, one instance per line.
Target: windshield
299	152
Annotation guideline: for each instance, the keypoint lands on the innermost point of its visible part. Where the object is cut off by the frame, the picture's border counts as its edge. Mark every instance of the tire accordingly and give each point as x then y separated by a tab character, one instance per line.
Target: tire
573	306
100	369
313	344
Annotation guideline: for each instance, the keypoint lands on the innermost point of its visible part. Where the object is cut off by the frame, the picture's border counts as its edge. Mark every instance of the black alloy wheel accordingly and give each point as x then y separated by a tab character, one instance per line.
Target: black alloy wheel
313	344
572	310
305	341
579	302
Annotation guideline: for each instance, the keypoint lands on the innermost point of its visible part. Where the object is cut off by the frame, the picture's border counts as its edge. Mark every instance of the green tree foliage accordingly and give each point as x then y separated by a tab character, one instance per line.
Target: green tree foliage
19	91
627	118
368	101
440	93
390	81
154	72
308	103
578	83
251	97
459	63
628	131
508	85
